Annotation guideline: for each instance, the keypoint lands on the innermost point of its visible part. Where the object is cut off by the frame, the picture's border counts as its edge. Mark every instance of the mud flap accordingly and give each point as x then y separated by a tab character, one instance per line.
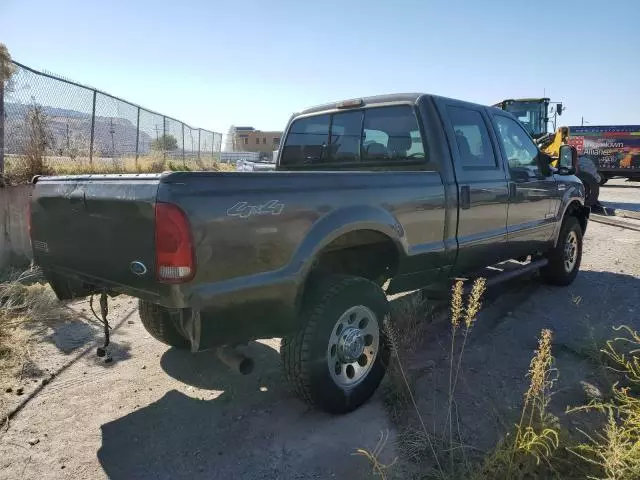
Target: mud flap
189	324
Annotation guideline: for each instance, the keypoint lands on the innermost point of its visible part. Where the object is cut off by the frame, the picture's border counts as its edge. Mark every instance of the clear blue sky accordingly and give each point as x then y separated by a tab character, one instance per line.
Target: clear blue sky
216	63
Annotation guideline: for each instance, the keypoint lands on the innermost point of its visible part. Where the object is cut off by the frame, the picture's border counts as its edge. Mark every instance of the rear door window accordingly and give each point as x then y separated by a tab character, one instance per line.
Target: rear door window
472	138
391	133
355	137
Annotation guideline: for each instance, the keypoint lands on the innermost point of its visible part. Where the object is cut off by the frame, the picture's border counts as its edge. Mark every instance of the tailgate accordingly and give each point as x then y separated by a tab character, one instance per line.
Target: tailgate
98	228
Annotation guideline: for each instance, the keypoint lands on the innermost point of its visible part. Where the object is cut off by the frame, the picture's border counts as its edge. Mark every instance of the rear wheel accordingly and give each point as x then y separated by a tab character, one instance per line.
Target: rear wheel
565	257
158	322
337	359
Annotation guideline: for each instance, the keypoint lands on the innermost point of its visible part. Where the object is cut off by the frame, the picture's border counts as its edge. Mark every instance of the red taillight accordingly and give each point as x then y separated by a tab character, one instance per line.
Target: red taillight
175	260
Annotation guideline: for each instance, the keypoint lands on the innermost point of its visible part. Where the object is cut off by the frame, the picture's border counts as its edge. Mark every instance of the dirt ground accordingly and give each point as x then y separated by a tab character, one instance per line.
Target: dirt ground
156	412
621	193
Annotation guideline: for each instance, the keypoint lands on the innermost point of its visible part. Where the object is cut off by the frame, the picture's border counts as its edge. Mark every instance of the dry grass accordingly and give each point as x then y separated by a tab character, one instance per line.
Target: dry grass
425	435
377	468
529	451
467	316
407	315
23	301
614	451
416	442
38	138
538	447
22	168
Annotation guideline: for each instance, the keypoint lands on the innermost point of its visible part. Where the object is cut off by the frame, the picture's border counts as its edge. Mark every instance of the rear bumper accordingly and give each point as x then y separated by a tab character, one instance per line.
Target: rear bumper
241	310
231	312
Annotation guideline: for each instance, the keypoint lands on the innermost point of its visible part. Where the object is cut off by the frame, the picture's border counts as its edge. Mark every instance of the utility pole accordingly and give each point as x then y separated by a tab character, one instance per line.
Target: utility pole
113	145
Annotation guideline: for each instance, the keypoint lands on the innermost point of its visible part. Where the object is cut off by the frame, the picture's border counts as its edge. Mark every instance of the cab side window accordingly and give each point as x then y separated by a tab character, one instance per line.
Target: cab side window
517	145
472	138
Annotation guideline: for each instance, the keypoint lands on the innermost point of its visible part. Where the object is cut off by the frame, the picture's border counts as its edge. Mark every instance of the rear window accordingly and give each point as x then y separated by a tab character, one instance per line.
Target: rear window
355	137
472	138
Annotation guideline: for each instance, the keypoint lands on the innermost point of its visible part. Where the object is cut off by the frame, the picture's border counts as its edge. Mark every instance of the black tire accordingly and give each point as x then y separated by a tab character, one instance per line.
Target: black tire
556	271
306	354
591	190
158	322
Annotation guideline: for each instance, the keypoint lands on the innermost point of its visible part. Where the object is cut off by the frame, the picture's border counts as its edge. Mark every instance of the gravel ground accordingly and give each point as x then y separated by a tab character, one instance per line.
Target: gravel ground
621	193
155	412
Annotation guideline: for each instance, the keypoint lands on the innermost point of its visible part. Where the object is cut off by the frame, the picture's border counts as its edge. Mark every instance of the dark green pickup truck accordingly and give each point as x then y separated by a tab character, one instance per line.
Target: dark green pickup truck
405	190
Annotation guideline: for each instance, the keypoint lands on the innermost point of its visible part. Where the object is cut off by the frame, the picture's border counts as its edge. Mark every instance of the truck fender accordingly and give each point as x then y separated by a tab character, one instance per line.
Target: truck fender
340	222
572	203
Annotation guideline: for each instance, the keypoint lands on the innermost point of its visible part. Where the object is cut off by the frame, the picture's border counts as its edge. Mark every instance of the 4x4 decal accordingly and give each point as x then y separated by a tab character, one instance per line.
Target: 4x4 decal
244	210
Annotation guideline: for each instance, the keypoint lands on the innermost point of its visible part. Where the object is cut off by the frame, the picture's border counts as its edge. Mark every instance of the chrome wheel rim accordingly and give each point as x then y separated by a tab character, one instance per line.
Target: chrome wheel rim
570	252
353	346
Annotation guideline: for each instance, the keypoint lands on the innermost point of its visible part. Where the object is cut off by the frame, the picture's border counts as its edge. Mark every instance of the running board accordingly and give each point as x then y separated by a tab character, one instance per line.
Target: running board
493	275
510	274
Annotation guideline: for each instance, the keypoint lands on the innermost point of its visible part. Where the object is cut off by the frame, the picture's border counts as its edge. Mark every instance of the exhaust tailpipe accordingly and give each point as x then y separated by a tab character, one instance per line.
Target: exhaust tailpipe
235	360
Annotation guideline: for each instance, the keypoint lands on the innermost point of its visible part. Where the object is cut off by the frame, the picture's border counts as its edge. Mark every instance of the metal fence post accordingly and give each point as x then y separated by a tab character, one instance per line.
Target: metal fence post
213	148
137	137
93	127
183	164
164	138
199	132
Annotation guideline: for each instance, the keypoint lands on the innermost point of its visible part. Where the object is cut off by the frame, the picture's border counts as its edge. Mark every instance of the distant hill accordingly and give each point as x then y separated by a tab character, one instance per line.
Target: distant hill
71	129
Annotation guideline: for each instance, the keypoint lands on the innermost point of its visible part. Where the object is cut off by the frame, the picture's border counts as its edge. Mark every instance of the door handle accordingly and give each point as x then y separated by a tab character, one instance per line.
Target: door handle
465	197
512	190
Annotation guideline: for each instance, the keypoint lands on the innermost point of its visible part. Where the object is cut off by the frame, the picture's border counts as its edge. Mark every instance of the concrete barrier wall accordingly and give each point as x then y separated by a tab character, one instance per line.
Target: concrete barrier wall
15	247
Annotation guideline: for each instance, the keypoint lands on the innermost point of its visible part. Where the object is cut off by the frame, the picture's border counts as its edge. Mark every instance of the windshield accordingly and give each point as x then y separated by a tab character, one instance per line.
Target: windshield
531	114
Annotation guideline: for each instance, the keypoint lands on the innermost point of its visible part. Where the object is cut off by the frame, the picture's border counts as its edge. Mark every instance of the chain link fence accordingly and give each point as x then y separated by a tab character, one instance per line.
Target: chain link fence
71	128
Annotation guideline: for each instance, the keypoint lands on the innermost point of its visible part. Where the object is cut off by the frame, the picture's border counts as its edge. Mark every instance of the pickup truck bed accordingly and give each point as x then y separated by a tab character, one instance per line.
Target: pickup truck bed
409	188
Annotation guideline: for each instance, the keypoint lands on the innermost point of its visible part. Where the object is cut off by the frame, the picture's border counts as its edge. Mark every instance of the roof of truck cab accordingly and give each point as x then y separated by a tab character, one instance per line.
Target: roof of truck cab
393	97
382	99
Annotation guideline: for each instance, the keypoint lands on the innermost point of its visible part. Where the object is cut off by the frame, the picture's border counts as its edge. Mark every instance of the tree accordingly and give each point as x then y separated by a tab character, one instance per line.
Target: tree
164	142
7	69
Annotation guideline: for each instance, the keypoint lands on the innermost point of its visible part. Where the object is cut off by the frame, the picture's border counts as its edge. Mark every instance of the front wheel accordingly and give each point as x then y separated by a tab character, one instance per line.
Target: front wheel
565	257
338	357
591	189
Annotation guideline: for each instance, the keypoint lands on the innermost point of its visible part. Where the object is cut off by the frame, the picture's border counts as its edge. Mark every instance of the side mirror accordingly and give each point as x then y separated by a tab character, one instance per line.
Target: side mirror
559	109
544	163
568	160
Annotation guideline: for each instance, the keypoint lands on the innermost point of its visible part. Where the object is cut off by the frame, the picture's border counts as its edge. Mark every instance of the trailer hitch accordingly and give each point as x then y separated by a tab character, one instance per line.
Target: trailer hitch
104	311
